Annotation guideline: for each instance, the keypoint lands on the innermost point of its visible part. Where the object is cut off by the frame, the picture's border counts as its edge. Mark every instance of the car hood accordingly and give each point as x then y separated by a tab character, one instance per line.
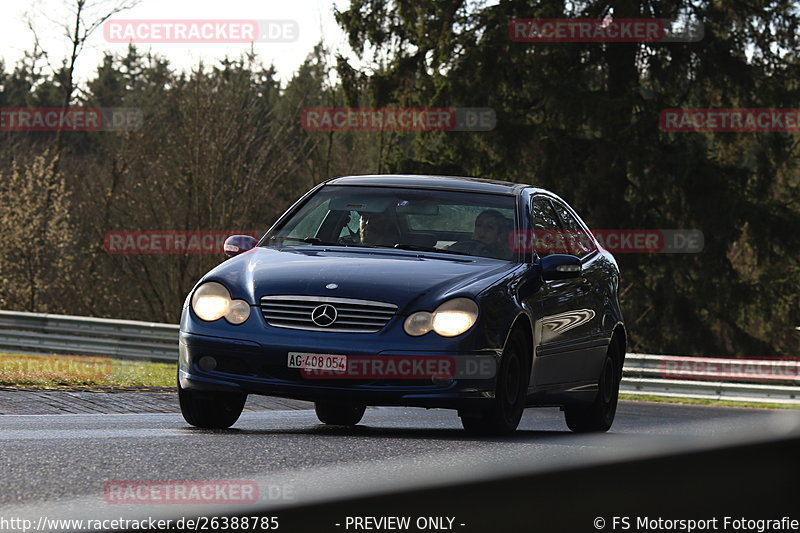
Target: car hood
400	277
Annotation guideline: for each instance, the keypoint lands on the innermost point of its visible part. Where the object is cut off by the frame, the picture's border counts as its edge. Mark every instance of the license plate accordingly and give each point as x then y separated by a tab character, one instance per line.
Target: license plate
317	361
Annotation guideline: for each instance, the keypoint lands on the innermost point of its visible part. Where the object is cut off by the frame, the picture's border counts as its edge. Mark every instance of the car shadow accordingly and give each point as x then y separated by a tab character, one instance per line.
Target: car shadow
442	434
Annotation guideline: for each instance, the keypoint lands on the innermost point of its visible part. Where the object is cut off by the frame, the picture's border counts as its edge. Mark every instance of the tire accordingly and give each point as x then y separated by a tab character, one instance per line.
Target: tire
339	414
503	415
599	416
209	409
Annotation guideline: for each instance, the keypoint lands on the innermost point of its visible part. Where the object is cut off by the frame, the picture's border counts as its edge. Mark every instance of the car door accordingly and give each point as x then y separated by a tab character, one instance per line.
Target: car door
592	345
565	312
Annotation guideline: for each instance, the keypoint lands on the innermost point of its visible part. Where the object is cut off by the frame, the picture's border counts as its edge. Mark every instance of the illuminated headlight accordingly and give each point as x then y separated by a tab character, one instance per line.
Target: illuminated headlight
450	319
212	301
454	317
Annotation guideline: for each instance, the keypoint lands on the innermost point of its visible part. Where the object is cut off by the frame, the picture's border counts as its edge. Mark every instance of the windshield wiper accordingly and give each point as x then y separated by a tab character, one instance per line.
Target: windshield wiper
319	242
307	240
416	248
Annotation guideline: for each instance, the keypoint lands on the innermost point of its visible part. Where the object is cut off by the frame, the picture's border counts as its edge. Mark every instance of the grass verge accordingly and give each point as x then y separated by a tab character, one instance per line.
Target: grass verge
697	401
64	371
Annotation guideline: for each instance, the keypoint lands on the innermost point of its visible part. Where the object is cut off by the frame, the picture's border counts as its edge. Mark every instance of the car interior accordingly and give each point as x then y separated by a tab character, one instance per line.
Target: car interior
392	229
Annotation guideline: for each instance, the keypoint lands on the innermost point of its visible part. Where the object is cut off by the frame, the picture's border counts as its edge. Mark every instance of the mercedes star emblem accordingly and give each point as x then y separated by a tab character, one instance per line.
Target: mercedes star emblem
324	315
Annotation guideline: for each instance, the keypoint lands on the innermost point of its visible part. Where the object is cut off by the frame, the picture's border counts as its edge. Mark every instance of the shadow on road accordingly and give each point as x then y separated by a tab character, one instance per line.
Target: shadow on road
443	434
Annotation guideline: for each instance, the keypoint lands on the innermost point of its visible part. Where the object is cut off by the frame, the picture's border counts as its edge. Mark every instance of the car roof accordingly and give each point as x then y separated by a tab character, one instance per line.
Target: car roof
451	183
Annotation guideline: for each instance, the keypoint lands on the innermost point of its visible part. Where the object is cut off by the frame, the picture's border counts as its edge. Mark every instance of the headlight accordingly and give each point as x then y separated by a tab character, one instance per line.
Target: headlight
238	312
454	317
450	319
418	323
212	301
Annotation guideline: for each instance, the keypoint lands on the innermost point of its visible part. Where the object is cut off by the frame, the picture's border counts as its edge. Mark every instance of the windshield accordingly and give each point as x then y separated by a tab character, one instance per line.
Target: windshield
474	224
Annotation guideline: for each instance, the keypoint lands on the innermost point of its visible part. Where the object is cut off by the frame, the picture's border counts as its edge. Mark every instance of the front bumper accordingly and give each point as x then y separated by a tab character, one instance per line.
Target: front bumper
252	367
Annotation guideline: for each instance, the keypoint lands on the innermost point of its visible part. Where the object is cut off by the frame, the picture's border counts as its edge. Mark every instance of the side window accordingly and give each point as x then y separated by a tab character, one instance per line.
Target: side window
580	242
545	226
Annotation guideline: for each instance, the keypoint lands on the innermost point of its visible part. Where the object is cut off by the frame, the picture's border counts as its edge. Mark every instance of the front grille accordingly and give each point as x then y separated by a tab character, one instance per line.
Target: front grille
352	316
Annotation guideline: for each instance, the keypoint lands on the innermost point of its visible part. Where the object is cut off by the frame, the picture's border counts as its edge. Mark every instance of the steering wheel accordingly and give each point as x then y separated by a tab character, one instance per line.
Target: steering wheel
474	247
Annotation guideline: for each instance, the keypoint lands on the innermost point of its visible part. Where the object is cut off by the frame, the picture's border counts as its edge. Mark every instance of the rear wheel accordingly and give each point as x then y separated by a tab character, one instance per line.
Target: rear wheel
338	413
599	416
503	415
210	409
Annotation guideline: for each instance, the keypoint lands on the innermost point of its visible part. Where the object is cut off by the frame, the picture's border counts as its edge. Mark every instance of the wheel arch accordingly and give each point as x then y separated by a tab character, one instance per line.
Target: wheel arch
620	337
523	324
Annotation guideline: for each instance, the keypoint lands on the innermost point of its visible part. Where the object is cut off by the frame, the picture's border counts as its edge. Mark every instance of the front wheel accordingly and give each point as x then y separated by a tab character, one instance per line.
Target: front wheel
210	409
503	415
339	414
598	416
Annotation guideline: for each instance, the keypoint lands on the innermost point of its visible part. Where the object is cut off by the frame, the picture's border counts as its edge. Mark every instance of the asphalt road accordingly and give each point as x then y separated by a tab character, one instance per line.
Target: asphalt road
60	464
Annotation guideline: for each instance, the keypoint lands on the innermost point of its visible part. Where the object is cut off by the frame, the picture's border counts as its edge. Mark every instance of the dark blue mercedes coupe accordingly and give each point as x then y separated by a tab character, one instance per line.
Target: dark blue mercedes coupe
423	291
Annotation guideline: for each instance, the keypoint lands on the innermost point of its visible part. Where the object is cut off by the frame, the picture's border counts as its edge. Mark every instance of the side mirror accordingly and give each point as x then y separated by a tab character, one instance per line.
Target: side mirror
238	244
560	266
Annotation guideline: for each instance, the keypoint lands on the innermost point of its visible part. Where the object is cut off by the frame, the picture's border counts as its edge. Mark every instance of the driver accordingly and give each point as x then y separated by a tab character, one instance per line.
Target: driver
378	229
488	237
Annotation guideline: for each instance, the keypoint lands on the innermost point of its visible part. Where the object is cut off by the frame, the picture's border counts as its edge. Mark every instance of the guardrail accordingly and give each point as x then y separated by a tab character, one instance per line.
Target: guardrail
754	380
712	378
64	334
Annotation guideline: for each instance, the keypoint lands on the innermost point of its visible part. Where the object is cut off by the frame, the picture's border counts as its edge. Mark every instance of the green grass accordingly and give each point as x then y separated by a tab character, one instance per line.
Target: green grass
696	401
62	371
